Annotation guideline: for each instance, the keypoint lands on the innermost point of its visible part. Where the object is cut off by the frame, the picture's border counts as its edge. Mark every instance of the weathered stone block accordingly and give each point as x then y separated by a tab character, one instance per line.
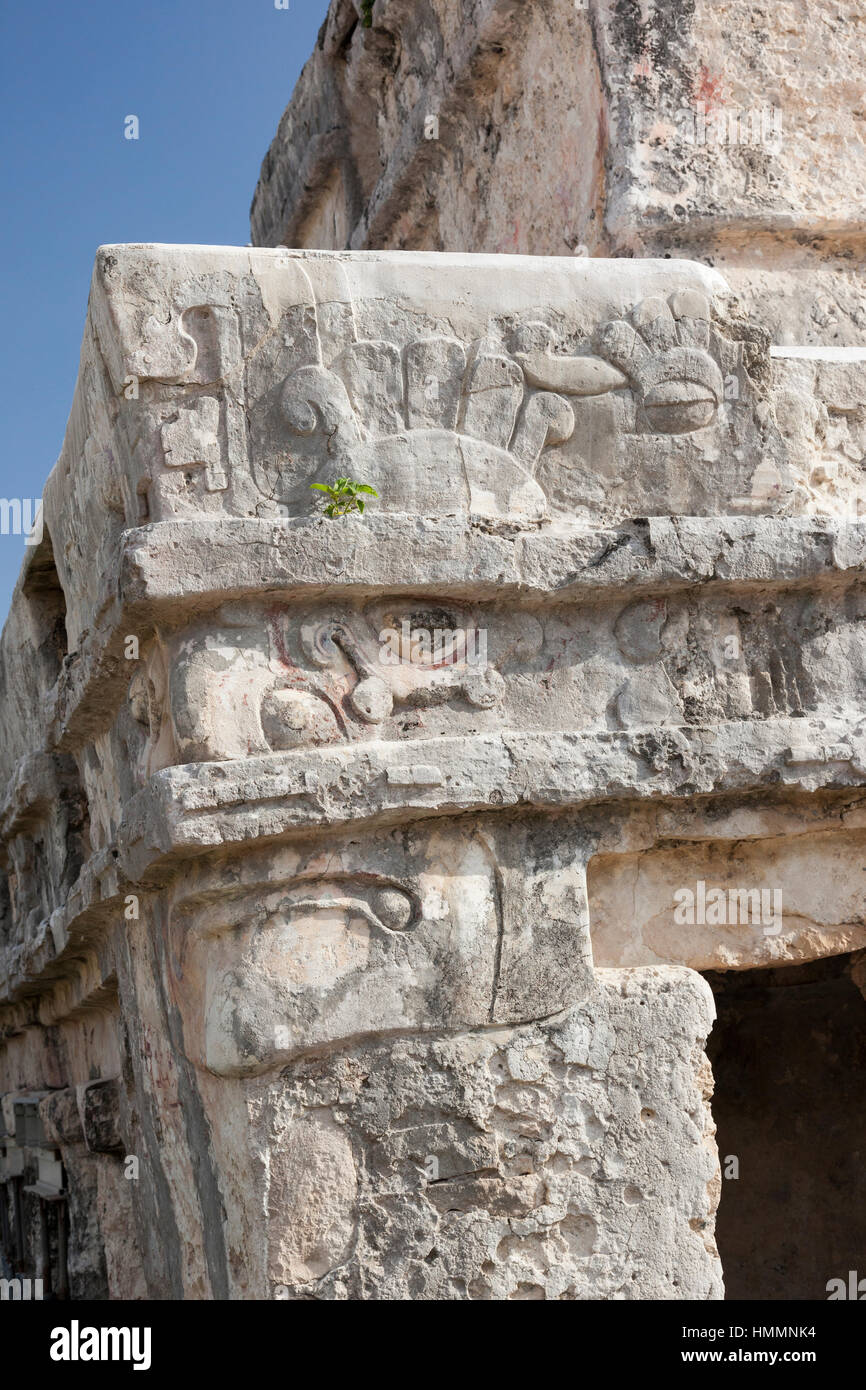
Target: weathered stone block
319	927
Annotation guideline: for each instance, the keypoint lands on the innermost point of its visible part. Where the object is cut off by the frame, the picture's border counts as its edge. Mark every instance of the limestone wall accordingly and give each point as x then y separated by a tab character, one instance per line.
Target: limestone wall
491	125
319	974
720	130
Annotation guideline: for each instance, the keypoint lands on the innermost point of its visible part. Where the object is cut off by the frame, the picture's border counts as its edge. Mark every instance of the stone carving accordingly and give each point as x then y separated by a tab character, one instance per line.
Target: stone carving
259	679
664	354
190	441
339	939
407	671
266	683
656	400
364	949
322	890
324	950
481	456
483	417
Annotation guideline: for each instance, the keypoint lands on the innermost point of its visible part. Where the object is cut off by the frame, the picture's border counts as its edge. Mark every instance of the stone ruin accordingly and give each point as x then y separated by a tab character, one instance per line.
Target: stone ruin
371	884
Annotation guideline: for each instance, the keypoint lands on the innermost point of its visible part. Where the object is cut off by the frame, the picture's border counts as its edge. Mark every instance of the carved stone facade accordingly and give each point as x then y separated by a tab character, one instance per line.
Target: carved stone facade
357	872
298	844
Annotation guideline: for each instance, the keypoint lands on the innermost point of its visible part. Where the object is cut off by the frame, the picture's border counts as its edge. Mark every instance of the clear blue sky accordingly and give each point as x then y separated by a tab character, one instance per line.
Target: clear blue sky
208	81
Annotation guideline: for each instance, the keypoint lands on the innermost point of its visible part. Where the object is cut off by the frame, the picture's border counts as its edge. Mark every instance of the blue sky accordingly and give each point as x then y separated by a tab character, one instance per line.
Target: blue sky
208	82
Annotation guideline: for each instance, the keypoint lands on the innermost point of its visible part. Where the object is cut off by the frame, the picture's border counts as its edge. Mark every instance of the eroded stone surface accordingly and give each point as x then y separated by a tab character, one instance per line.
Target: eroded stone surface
606	128
341	862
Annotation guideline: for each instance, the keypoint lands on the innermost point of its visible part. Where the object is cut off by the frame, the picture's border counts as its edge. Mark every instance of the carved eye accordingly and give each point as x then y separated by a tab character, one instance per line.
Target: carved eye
432	618
383	905
411	629
676	407
393	908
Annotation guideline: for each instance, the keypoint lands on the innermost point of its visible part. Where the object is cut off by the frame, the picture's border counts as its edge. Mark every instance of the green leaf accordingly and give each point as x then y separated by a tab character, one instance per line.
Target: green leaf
342	495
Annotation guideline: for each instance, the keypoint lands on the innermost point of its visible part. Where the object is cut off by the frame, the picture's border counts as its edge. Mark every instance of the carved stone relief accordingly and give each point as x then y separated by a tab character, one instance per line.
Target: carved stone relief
261	678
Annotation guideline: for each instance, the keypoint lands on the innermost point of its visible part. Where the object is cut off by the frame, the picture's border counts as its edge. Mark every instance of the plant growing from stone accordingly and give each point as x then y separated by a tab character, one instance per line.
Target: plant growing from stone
366	14
342	496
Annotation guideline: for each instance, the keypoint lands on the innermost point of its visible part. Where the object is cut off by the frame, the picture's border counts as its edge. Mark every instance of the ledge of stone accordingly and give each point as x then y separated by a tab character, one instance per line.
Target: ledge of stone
193	809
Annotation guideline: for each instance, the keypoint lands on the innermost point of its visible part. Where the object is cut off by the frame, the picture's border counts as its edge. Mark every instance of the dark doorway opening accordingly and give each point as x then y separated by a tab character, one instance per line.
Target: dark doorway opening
788	1053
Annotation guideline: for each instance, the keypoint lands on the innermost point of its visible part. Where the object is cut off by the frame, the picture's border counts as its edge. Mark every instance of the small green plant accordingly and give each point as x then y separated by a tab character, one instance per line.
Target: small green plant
367	14
342	496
